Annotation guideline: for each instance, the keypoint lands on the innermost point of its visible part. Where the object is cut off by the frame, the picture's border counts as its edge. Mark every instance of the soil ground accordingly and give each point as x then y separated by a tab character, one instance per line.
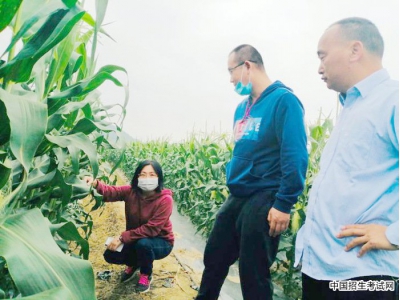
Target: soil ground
172	279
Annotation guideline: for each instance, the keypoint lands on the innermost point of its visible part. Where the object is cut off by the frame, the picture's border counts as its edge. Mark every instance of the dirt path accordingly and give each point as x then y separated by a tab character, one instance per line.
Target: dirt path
172	279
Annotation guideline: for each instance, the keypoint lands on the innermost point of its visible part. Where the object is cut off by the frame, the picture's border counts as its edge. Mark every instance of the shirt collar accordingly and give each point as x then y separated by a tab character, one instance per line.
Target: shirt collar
365	86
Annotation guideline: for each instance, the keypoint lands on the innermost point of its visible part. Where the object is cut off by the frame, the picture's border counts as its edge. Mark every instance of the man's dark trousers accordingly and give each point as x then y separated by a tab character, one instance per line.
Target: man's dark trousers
241	231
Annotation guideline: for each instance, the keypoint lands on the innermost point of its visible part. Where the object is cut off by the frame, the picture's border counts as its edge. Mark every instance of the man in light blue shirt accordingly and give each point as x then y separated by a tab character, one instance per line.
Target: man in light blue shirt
348	246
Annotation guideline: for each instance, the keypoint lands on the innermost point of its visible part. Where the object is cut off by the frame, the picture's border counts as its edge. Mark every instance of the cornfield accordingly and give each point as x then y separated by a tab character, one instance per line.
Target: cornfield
54	130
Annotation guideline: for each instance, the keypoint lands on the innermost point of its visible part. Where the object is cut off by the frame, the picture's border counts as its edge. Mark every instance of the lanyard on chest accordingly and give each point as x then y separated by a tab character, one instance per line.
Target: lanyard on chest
249	106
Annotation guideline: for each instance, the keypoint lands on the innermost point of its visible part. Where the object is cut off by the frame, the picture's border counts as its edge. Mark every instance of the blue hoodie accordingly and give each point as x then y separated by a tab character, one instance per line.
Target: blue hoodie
270	150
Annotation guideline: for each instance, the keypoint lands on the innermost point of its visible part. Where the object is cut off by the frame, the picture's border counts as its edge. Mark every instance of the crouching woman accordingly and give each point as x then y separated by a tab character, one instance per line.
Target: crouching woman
148	235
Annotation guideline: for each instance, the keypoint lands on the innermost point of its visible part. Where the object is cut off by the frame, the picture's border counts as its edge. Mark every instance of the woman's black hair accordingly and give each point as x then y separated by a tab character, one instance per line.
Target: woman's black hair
157	168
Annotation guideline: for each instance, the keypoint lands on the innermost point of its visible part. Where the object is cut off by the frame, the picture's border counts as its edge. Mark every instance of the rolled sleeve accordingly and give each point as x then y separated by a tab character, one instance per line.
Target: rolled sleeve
392	233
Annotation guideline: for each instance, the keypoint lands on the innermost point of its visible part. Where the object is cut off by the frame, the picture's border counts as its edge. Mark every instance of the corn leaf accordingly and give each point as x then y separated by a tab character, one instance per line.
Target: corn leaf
36	178
85	86
33	14
70	107
61	57
59	293
5	125
101	7
8	203
23	30
80	141
74	153
3	155
8	8
87	126
28	121
65	189
5	173
28	248
70	3
54	30
69	232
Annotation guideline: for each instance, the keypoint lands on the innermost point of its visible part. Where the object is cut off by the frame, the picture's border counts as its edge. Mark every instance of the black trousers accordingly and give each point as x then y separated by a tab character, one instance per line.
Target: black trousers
241	231
140	254
319	289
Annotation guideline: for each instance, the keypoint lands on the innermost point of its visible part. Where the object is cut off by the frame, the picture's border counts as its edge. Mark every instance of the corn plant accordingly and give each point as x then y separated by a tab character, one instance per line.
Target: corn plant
283	270
52	127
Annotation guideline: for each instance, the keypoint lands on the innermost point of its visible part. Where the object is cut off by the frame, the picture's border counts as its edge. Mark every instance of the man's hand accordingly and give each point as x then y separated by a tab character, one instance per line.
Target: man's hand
370	236
278	222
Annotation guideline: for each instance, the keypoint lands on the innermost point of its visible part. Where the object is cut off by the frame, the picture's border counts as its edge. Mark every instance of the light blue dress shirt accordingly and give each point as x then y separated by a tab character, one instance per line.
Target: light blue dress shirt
358	183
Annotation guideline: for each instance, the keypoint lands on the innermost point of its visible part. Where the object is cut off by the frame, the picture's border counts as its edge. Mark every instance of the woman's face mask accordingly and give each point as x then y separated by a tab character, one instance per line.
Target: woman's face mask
148	184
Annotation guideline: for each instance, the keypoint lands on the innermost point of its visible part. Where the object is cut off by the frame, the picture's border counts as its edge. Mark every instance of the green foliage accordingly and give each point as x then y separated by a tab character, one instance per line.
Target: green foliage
7	288
53	125
37	265
7	10
61	21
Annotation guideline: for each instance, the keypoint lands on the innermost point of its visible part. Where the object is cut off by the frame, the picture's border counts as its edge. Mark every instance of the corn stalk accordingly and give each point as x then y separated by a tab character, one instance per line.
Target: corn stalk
53	125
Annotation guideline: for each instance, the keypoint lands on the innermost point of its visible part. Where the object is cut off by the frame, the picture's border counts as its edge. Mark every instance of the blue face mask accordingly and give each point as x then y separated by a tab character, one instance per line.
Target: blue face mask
243	90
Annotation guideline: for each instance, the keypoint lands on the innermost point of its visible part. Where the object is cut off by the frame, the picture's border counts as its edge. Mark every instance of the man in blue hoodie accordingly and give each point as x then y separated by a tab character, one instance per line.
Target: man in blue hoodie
265	177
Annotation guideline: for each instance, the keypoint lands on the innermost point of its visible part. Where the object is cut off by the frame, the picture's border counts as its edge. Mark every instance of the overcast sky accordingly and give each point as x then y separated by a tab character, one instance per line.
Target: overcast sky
175	52
176	56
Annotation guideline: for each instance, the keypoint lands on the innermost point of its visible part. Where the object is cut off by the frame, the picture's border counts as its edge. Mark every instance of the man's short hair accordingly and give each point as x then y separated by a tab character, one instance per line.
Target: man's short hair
247	52
362	30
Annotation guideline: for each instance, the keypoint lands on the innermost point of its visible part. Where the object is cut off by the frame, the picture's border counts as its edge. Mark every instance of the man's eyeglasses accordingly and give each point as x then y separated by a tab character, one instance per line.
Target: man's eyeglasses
240	64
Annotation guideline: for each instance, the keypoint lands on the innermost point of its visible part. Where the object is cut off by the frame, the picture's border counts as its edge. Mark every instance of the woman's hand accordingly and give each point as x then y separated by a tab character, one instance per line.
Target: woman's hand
90	181
115	243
